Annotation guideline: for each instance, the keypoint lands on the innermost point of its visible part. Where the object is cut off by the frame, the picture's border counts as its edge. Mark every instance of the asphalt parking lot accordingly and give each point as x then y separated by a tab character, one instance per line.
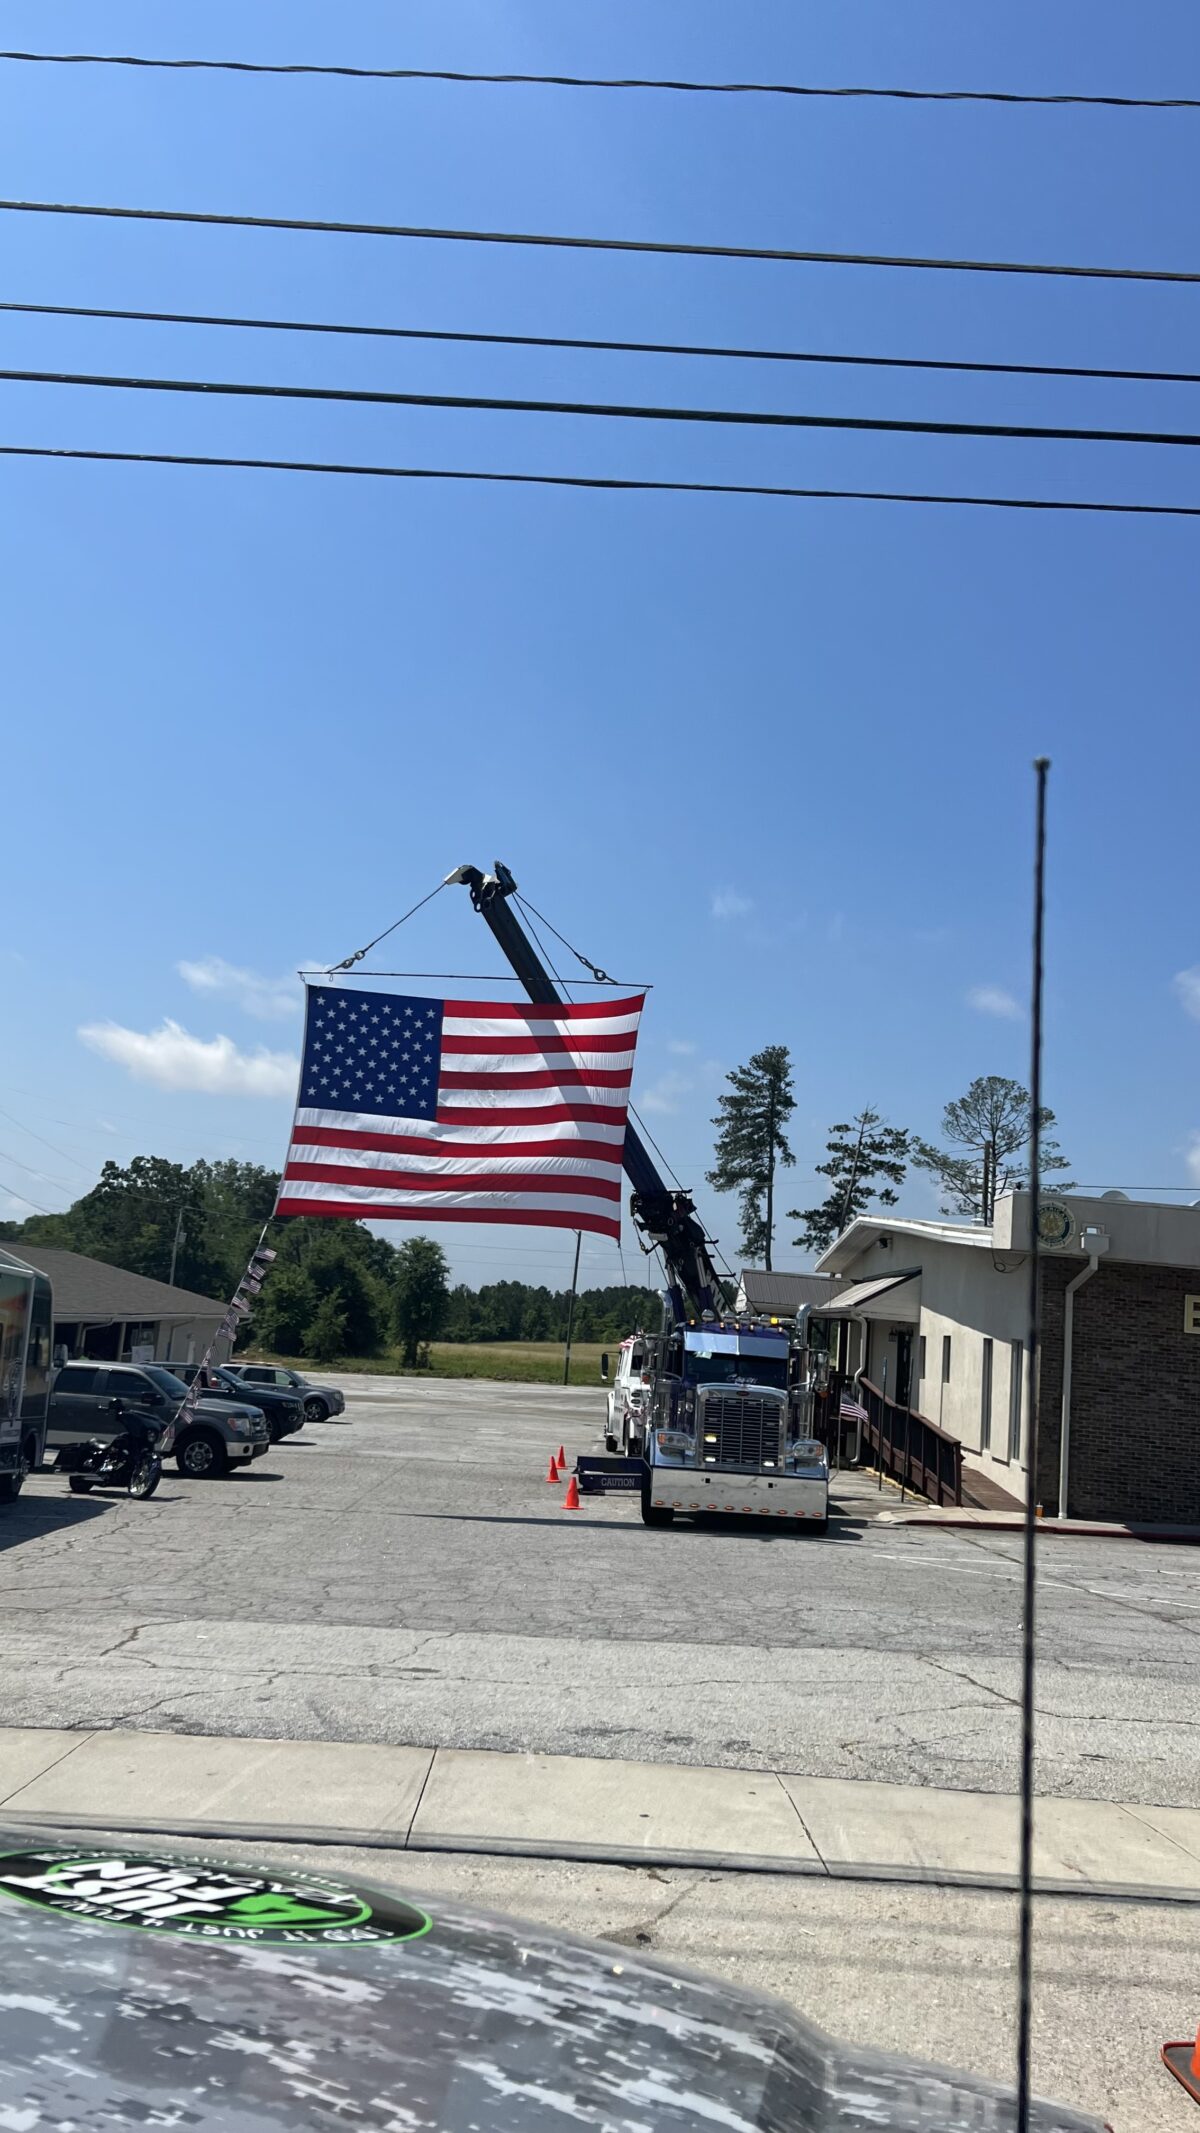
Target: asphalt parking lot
408	1576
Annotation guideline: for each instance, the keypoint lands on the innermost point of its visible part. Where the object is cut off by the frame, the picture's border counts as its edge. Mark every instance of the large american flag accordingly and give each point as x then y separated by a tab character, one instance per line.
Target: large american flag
461	1110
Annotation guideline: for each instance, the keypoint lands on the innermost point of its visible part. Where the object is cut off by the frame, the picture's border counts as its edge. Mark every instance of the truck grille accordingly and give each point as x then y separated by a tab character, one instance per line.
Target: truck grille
748	1430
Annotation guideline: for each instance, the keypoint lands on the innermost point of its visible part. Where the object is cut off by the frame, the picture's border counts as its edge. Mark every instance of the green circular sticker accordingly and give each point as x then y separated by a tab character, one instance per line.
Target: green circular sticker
162	1895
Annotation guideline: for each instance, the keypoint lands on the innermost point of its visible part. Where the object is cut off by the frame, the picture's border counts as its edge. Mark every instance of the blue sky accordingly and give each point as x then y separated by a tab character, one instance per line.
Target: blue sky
772	757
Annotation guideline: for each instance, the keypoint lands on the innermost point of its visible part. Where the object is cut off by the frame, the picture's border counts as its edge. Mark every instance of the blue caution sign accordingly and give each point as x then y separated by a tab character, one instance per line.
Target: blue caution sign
600	1476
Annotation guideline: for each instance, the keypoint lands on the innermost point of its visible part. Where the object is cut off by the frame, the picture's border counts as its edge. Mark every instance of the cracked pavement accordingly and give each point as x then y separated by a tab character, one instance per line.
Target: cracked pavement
409	1577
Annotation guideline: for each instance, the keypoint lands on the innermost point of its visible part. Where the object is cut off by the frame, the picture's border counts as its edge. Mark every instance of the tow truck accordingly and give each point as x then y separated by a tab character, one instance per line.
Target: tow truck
725	1424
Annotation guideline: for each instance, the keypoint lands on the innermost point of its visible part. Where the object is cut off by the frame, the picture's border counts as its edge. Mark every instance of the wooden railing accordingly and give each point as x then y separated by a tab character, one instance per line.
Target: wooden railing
913	1450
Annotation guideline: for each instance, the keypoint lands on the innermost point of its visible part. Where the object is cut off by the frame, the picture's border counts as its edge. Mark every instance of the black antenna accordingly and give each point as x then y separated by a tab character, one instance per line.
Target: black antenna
1025	1952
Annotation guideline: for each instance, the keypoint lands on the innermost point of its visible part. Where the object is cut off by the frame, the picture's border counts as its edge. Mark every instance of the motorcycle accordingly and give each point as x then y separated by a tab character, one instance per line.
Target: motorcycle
132	1459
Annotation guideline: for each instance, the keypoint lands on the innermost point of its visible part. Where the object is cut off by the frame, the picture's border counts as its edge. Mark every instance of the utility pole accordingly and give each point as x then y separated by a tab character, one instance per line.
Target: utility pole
571	1309
175	1247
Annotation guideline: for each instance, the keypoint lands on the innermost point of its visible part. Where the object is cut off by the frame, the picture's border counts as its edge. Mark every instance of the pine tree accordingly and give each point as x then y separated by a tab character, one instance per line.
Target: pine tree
751	1143
866	1160
991	1123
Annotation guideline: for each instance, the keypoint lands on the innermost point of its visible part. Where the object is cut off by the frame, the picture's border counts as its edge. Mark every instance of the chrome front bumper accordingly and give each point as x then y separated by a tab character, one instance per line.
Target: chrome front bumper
680	1488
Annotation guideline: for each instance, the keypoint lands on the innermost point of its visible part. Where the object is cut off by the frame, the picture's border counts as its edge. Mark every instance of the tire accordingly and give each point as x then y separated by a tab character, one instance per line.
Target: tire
12	1484
316	1410
610	1442
654	1514
146	1475
79	1484
202	1456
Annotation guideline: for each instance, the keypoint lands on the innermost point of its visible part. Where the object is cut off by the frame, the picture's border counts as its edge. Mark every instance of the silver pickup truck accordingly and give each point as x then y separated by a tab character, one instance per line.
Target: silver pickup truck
218	1435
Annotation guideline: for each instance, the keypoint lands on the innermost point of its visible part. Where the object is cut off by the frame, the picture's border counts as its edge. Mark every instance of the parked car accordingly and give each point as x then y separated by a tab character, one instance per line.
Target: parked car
320	1401
218	1434
284	1410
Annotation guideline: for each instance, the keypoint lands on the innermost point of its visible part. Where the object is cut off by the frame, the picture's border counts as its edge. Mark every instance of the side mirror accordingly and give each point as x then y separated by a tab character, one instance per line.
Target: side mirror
604	1367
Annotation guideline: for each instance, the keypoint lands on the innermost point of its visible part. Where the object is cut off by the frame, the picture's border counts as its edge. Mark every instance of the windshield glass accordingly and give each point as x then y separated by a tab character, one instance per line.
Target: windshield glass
725	1369
166	1381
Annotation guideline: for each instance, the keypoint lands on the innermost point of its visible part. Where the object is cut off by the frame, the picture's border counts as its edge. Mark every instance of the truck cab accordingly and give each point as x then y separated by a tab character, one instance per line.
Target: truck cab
728	1427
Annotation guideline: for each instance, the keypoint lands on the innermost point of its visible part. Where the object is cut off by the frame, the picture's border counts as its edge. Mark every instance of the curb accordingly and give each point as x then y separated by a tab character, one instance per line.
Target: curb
1070	1528
563	1853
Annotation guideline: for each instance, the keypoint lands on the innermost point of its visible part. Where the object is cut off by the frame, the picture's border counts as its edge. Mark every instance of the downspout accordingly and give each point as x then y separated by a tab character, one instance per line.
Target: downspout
864	1340
1064	1441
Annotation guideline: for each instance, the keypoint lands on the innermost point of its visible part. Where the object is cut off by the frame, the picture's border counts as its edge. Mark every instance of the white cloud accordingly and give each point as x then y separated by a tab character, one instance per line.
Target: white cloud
730	903
664	1094
174	1059
682	1047
1186	987
268	998
993	1000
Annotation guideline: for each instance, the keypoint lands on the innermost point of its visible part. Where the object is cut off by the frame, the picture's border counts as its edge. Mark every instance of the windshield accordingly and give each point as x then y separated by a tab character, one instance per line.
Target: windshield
166	1381
725	1369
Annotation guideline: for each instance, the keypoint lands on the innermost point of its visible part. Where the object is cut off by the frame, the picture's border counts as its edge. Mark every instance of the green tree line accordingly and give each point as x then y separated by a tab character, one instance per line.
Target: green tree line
335	1289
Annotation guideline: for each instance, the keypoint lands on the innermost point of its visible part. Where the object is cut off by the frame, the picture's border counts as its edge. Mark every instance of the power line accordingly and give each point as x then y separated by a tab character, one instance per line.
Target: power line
593	81
25	1200
594	481
743	418
555	340
657	246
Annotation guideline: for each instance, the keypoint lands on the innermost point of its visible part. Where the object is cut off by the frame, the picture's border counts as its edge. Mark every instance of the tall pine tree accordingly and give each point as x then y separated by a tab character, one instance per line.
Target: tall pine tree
865	1161
751	1143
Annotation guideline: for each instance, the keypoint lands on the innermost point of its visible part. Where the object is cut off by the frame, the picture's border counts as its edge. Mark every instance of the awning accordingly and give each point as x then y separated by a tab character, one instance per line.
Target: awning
861	1293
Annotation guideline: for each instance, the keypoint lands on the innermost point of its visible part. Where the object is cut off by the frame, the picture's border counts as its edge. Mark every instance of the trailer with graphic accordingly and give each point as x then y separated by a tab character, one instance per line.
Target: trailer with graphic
26	1334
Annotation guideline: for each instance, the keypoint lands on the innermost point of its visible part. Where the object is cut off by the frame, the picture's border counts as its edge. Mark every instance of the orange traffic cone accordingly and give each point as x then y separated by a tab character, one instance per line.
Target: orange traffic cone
552	1473
571	1499
561	1456
1183	2060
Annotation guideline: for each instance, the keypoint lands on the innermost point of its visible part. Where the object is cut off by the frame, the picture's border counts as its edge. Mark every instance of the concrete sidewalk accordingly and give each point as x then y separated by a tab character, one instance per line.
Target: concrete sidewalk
573	1807
1014	1522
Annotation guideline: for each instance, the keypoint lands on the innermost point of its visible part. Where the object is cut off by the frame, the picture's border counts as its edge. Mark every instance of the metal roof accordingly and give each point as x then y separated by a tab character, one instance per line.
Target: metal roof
856	1294
90	1288
786	1293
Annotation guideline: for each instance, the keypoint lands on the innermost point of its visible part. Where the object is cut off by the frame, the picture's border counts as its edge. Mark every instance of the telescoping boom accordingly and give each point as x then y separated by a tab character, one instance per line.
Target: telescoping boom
722	1417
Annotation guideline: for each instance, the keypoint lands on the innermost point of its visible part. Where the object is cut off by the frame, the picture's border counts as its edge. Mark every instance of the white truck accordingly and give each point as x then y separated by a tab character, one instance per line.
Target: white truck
26	1334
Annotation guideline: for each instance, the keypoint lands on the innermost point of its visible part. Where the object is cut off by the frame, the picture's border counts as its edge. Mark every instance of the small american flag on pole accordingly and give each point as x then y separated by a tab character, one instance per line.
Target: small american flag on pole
461	1110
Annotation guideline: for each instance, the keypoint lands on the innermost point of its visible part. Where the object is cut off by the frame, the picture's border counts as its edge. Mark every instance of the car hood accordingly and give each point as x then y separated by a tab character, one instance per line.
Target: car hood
150	1988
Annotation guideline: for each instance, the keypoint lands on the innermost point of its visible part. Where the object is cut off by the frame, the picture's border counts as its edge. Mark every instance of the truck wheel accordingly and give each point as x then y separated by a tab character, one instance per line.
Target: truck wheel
654	1514
610	1442
202	1456
316	1410
79	1484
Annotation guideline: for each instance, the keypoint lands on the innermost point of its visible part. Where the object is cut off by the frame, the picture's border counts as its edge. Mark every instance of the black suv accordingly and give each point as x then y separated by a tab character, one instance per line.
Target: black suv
284	1411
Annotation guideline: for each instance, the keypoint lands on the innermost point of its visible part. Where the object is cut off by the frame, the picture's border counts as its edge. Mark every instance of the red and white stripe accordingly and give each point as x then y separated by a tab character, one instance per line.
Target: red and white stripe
530	1127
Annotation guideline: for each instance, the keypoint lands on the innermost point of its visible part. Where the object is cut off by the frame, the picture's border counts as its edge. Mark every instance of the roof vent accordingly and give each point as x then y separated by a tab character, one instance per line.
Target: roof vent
1114	1195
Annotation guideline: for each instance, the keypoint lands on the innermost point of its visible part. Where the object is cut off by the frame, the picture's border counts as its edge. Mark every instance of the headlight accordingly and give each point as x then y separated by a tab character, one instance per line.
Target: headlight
673	1440
240	1423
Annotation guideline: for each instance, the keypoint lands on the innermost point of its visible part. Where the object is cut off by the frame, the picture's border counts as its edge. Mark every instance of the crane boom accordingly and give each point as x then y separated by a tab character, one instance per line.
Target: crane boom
664	1214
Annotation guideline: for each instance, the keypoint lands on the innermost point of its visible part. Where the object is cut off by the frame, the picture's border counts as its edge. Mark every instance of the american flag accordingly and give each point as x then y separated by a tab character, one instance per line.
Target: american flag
461	1110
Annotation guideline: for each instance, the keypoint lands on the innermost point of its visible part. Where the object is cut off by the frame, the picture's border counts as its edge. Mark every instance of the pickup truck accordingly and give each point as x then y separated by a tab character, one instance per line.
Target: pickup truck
320	1401
284	1411
218	1435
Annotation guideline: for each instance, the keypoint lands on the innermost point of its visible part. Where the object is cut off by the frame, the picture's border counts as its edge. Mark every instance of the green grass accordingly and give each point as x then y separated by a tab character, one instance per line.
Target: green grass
508	1362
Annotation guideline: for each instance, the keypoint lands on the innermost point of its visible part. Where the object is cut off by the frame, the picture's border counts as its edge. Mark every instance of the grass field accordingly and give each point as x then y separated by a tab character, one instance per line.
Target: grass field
515	1362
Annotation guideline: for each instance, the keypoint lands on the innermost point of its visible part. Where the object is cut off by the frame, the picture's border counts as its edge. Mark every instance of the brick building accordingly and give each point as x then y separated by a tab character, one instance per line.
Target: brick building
935	1317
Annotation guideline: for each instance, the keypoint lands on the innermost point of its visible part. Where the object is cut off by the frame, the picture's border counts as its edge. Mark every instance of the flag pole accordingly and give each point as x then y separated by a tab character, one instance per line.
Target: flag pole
1028	1571
571	1309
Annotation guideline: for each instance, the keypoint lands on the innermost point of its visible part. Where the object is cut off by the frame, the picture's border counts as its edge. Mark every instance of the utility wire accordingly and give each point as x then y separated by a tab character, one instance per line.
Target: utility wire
593	81
592	481
25	1199
610	411
658	246
554	340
